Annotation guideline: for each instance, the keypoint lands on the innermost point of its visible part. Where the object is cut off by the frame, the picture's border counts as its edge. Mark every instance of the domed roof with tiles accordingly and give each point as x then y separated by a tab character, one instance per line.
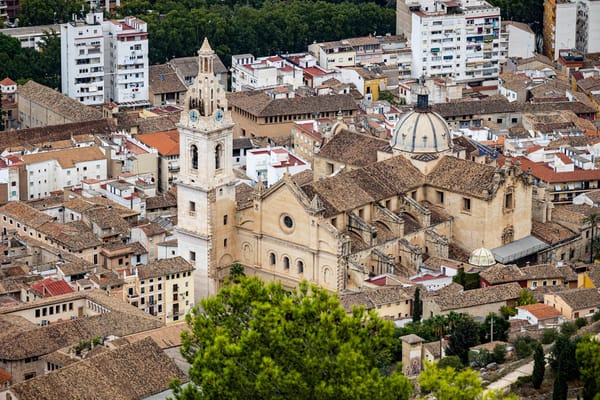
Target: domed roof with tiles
421	130
482	257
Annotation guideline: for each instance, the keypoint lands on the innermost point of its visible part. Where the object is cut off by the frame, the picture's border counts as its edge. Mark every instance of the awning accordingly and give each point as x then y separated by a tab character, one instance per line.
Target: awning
518	249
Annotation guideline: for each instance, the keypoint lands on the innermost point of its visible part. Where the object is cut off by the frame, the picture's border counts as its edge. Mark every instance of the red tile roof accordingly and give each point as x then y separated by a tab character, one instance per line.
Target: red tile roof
50	287
564	158
533	149
541	310
4	376
167	143
7	82
544	173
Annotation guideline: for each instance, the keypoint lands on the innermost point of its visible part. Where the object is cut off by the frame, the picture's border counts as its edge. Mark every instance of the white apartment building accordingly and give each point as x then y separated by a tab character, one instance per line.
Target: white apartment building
82	59
250	73
560	24
126	61
53	170
587	31
457	39
516	40
105	61
268	165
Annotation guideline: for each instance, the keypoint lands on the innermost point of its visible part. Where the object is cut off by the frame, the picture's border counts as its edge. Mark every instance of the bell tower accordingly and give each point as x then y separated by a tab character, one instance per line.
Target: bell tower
206	182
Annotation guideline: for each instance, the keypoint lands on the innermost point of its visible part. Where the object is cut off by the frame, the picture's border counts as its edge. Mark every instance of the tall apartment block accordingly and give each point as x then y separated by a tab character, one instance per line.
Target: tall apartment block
560	21
82	59
104	61
126	61
457	39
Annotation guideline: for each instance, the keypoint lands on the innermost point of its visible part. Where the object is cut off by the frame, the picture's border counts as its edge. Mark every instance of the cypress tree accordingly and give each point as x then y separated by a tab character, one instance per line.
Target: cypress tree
418	306
539	366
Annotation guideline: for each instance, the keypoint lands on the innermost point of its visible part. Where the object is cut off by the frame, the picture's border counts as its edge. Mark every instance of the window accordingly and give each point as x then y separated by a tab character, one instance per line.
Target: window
288	222
466	204
194	156
286	263
192	208
224	242
440	197
272	258
225	219
329	168
508	201
361	213
192	256
300	265
218	156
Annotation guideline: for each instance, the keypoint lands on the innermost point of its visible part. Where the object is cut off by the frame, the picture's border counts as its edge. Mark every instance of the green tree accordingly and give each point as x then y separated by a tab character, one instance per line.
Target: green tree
593	220
525	297
417	306
560	387
450	384
465	336
588	360
236	273
498	325
539	366
568	347
43	12
256	341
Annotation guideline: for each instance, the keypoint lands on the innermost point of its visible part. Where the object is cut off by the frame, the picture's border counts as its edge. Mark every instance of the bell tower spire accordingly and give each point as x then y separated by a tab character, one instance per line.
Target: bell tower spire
206	182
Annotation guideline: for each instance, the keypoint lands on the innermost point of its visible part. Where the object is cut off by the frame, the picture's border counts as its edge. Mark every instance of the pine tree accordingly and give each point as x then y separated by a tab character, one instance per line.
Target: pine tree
539	366
418	306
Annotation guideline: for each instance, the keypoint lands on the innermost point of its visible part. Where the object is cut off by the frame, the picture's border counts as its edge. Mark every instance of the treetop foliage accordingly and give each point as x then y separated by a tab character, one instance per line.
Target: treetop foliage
260	341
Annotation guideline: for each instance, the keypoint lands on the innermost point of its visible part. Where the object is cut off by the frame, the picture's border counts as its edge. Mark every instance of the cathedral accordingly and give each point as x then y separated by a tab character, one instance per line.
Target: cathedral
369	207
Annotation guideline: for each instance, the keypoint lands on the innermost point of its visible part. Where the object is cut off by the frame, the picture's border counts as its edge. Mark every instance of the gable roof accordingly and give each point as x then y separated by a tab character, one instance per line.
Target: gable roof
164	267
134	371
162	79
541	310
352	189
462	176
374	297
500	273
67	158
63	105
51	287
478	297
167	143
260	104
578	299
352	148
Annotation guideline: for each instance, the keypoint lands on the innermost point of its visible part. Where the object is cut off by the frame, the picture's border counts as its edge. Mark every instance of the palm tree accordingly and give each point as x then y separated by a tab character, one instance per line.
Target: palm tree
592	219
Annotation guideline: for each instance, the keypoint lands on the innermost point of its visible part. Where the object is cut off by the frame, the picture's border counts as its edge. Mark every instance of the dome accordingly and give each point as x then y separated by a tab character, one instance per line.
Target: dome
482	257
421	131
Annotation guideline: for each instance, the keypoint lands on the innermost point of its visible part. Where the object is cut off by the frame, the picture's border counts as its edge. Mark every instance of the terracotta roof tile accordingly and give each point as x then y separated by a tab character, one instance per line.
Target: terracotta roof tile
63	105
463	176
551	232
579	299
51	287
67	158
134	371
162	79
163	267
478	297
541	311
167	143
352	148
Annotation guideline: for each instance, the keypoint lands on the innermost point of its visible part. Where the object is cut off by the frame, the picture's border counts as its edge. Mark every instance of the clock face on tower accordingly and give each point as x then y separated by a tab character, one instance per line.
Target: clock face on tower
194	116
219	115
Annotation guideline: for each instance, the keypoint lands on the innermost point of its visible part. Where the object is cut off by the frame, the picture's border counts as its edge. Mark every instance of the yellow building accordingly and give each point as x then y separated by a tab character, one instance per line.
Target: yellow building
575	303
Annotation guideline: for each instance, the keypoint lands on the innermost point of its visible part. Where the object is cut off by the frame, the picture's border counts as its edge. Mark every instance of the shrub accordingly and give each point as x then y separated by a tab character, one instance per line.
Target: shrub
549	335
580	322
596	316
524	346
568	329
480	358
450	361
499	354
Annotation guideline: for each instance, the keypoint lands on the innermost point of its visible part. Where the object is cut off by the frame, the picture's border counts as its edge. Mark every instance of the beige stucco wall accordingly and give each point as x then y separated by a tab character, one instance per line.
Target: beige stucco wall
311	240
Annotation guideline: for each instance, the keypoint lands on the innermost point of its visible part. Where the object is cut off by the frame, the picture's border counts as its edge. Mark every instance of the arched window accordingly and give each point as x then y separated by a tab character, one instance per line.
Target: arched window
272	259
286	263
218	155
194	156
326	274
300	265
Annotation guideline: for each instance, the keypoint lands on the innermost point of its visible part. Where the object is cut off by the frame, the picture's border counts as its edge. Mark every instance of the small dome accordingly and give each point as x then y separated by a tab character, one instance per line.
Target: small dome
482	257
421	131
